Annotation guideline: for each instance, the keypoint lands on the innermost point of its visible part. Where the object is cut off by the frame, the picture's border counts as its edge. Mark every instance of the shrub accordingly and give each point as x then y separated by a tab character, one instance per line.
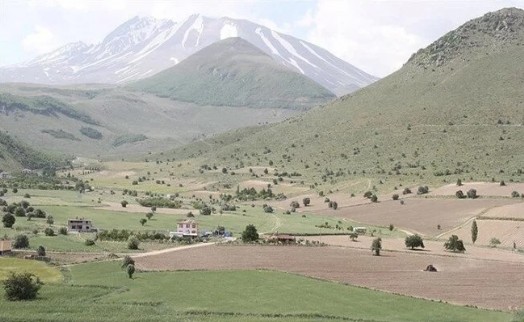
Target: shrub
133	242
406	191
306	202
89	242
374	198
515	194
472	193
250	234
40	251
130	270
20	212
459	194
459	182
21	286
149	215
368	194
21	241
502	183
62	231
353	236
124	203
49	232
422	190
294	204
50	220
494	242
8	220
205	211
395	196
127	260
268	209
391	227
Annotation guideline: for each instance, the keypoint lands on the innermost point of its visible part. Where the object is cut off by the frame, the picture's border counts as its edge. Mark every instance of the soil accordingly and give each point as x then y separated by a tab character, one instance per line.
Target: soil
486	283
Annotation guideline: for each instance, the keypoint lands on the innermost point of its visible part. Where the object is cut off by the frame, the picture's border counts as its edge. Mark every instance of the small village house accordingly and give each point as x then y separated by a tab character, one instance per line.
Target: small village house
186	228
5	246
80	225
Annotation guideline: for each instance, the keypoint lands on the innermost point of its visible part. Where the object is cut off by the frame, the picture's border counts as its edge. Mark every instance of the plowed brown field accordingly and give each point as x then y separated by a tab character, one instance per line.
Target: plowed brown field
486	283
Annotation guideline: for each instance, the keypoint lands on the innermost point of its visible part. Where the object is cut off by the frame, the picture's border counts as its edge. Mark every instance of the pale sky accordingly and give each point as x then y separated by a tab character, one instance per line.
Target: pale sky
377	36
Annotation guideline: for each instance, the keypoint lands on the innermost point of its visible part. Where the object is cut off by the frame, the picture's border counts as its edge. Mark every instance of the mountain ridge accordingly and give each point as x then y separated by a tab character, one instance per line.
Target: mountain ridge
233	72
143	46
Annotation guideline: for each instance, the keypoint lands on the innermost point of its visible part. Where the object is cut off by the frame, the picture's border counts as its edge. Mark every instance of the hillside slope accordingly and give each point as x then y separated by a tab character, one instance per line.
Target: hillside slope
436	119
14	155
144	46
232	72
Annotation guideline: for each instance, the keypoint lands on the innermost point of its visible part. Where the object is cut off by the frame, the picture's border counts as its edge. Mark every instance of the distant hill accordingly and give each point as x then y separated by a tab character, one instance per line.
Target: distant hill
454	110
102	121
233	72
144	46
15	155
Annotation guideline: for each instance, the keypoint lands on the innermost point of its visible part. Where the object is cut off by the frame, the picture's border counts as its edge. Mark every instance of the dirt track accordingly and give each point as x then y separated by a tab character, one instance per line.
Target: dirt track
486	283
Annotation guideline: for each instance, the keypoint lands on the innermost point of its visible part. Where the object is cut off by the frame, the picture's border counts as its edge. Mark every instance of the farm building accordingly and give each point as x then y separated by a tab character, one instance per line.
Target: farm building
276	238
186	228
80	225
360	230
5	247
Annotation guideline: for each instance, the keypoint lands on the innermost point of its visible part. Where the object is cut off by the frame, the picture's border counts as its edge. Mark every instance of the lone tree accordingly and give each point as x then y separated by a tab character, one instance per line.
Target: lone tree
376	246
250	234
474	231
472	193
133	242
124	203
130	269
306	201
8	220
414	241
126	261
353	237
22	286
149	215
143	221
455	244
21	241
40	251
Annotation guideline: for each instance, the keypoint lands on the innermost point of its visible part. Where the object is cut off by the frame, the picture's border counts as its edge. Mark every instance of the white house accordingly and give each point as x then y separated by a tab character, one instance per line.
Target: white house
186	228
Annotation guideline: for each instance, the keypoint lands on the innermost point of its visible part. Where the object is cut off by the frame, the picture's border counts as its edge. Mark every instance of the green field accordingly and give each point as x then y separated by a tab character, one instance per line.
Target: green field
45	272
102	291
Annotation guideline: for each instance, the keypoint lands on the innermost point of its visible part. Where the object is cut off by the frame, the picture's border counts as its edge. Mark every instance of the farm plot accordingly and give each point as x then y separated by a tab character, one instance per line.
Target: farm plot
422	215
485	189
506	231
485	283
514	211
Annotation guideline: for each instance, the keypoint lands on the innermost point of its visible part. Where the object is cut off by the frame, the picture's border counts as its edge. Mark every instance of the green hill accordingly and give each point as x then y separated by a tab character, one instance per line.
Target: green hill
232	72
454	110
14	155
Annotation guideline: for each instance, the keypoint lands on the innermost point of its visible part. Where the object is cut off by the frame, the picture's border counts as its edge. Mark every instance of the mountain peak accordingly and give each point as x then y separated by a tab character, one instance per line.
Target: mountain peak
490	33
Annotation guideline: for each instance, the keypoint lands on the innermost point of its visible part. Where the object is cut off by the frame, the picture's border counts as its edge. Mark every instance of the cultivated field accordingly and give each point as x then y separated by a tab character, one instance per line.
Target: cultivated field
485	189
506	231
484	283
421	215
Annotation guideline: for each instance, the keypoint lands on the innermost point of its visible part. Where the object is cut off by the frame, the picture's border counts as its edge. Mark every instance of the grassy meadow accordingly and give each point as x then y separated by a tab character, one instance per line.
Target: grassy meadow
102	291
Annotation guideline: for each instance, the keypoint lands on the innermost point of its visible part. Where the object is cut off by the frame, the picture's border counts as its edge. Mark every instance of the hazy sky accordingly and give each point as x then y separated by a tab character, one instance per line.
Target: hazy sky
375	35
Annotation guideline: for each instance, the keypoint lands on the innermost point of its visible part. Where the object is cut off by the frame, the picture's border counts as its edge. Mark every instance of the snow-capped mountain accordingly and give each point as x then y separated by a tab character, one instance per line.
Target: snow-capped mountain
144	46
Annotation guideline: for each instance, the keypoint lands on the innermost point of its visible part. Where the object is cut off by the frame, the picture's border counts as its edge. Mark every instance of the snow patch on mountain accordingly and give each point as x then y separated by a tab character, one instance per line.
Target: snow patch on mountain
228	31
144	46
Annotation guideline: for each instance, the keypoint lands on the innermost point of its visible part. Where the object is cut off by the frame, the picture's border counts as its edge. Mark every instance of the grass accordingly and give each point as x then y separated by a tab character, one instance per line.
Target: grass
45	272
102	291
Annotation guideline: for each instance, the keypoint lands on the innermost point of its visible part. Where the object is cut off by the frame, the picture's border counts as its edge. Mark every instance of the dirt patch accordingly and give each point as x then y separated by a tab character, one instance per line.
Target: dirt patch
506	231
422	215
483	189
485	283
509	211
134	208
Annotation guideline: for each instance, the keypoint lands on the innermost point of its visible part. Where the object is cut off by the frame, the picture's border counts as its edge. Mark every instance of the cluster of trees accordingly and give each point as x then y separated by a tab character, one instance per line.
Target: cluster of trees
21	209
159	202
252	194
124	234
471	193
